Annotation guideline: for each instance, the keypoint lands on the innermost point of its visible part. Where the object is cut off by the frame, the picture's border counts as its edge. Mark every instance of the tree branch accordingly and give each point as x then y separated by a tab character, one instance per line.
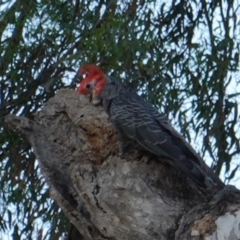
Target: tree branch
107	197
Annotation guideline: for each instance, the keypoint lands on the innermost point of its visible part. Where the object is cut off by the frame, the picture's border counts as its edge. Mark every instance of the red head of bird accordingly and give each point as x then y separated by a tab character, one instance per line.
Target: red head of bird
93	83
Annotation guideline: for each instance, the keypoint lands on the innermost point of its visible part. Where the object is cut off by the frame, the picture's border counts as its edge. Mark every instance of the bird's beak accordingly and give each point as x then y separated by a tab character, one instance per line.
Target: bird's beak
95	99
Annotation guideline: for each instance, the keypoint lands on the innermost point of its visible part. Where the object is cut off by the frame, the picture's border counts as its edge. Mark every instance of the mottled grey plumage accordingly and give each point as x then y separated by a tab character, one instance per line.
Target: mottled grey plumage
138	120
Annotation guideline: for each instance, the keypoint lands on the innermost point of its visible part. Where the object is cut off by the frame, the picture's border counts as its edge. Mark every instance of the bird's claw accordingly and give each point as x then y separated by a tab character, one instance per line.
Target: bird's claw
123	146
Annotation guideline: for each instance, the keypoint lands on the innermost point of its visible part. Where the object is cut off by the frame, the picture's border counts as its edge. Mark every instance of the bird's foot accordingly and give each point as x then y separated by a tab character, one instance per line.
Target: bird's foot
144	159
149	158
122	149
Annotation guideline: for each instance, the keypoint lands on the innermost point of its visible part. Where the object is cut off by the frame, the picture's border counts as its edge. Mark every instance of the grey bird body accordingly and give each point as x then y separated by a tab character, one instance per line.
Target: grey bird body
136	119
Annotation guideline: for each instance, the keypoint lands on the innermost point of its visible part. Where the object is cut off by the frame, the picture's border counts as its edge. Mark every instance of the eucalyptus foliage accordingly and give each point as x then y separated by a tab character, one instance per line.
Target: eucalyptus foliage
183	56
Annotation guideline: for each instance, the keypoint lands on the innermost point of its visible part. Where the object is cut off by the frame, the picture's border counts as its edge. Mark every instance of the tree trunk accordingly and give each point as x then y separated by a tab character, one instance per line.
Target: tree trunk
106	197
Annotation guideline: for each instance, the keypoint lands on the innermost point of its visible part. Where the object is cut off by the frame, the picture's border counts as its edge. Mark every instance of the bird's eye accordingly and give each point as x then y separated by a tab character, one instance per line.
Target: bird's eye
88	86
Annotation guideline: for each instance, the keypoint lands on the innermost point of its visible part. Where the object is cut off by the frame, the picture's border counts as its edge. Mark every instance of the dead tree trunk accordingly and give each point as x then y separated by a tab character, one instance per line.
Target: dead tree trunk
107	197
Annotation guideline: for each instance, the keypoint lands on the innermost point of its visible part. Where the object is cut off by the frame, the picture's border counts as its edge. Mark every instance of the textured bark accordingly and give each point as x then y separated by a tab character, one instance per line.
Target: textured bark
107	197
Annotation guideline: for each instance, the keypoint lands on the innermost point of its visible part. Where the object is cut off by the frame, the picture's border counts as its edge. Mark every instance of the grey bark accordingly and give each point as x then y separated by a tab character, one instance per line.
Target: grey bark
106	197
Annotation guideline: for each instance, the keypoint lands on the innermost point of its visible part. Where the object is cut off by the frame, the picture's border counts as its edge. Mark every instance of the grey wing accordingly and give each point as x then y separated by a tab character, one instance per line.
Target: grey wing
141	122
